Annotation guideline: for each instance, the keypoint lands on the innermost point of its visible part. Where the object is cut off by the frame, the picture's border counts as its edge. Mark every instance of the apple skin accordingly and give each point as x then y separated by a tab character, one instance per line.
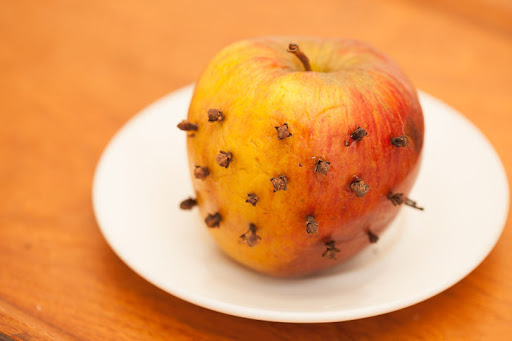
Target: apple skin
259	86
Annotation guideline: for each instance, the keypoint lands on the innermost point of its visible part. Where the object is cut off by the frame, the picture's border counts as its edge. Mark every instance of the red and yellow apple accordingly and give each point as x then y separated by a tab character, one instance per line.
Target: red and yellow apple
301	153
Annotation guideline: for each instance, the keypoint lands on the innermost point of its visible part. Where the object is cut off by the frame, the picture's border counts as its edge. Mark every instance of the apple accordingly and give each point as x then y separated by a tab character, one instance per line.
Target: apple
301	150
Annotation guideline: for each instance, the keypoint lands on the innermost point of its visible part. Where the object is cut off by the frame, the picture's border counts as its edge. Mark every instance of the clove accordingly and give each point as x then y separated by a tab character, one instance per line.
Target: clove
311	225
201	172
331	250
372	237
399	141
360	188
252	199
215	115
187	204
250	237
187	126
283	131
357	135
279	183
322	167
224	158
398	199
213	220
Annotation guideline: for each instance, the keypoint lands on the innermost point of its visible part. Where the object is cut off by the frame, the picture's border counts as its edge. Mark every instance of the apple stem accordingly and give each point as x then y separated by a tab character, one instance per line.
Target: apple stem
398	199
294	48
187	204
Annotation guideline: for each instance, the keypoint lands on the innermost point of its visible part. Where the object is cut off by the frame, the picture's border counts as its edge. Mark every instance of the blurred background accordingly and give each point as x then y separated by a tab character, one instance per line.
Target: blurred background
72	72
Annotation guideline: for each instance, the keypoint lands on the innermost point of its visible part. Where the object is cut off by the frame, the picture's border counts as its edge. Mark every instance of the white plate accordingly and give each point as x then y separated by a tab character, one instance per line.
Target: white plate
142	176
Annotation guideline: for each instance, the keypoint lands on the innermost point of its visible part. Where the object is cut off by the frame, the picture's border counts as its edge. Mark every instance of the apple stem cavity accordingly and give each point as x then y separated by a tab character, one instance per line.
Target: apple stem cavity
399	141
322	167
331	250
187	204
283	131
398	199
360	188
187	126
252	199
201	172
215	115
213	220
279	183
373	237
223	159
311	225
250	237
294	48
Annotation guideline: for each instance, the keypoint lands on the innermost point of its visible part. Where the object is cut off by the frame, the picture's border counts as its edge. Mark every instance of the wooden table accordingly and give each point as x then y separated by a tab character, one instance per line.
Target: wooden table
72	72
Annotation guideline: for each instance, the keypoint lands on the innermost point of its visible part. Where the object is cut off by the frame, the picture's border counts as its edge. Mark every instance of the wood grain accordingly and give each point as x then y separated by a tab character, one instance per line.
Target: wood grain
72	72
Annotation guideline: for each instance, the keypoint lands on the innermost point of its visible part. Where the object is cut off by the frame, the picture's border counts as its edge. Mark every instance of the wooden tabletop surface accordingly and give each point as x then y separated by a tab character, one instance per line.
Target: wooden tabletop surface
72	72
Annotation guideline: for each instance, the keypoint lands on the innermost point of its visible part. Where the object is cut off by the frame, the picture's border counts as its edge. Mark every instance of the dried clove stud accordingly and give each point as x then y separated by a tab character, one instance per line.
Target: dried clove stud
283	132
279	183
358	134
201	172
373	237
322	167
215	115
413	204
250	237
187	204
399	141
224	158
187	126
213	220
252	199
360	188
331	250
294	48
311	225
398	199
